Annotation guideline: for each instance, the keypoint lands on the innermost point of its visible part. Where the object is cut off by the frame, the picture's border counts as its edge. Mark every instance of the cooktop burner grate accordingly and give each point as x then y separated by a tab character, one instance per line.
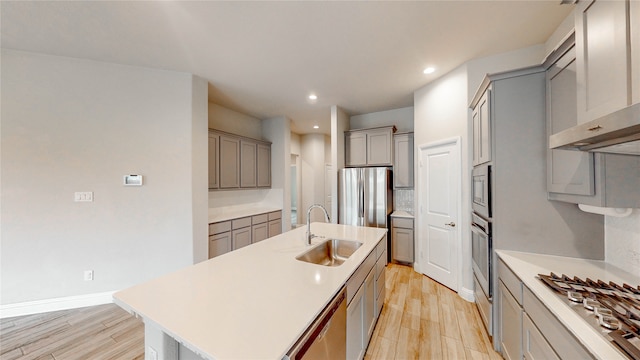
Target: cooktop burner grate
616	307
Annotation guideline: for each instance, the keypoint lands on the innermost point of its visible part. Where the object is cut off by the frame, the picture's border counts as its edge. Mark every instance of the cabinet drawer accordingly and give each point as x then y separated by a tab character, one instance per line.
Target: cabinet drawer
534	345
354	282
560	339
275	215
402	223
240	223
219	227
511	281
259	219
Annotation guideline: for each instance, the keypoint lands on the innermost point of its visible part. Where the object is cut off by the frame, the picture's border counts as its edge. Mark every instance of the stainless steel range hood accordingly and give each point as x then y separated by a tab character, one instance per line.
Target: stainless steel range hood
617	133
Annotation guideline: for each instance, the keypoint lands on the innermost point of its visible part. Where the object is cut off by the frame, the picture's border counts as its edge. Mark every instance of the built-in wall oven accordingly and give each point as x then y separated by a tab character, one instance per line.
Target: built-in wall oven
481	253
481	190
481	242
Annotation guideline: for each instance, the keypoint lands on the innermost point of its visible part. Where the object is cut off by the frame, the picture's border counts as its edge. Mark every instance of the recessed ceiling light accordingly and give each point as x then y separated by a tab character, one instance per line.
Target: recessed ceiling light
316	127
429	70
313	97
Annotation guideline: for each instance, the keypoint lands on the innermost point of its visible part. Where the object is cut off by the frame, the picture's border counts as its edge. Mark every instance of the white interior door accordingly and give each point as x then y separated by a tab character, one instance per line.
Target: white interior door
438	211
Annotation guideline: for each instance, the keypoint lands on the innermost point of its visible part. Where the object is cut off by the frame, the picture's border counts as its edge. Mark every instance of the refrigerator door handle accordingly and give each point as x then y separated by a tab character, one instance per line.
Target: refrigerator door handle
360	200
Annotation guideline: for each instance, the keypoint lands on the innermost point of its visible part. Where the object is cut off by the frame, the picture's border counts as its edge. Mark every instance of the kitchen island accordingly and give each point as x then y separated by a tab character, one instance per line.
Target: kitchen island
252	303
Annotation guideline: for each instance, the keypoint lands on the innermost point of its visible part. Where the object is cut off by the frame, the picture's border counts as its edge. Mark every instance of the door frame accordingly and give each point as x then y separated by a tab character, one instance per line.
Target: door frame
419	221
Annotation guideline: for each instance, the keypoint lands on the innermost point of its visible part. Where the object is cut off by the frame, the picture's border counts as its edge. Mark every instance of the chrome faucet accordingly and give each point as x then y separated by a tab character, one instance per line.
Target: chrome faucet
309	235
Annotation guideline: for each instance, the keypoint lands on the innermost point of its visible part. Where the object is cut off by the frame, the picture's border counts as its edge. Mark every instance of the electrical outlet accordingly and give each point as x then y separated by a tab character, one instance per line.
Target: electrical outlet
88	275
83	196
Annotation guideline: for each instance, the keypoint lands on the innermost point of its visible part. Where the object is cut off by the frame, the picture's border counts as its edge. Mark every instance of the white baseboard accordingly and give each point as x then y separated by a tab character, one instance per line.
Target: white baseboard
47	305
467	294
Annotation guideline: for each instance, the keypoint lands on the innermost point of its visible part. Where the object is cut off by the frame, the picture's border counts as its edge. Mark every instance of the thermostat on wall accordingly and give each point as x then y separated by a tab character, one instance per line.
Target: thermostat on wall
133	180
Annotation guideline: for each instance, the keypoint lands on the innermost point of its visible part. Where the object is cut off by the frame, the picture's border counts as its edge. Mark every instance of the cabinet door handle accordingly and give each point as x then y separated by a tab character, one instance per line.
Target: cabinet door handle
452	224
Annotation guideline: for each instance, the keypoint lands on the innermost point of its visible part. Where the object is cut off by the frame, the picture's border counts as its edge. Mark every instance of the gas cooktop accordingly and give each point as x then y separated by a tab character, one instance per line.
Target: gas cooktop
612	309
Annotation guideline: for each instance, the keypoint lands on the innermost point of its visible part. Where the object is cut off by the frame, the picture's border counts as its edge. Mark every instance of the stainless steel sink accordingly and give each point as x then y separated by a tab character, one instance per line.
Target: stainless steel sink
332	252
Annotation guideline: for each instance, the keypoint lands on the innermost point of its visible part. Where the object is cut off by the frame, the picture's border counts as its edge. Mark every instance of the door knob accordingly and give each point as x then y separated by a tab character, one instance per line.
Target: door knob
452	224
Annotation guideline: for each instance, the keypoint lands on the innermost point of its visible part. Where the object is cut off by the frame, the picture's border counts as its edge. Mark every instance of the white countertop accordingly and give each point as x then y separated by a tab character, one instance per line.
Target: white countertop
527	266
251	303
402	214
235	212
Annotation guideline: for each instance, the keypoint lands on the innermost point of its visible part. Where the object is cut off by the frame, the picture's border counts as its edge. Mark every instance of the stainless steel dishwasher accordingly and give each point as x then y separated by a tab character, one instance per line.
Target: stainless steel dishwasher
326	338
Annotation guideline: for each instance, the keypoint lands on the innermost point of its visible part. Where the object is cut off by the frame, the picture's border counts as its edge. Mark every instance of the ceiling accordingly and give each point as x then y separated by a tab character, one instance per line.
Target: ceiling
264	58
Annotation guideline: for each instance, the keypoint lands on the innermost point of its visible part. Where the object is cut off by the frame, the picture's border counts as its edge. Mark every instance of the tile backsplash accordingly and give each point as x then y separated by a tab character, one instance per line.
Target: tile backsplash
403	200
622	241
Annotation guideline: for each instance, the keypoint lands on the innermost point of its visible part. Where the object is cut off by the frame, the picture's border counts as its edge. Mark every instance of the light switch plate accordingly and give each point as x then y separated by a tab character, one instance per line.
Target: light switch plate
83	196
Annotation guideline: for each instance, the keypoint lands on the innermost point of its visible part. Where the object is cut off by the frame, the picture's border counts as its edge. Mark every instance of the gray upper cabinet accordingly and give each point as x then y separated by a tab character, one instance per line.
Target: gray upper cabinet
481	116
403	161
229	162
355	148
568	171
379	147
248	163
596	179
369	147
214	166
237	162
604	60
264	165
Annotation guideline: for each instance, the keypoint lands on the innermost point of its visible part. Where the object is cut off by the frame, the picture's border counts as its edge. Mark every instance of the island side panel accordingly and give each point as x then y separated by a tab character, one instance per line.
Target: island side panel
157	344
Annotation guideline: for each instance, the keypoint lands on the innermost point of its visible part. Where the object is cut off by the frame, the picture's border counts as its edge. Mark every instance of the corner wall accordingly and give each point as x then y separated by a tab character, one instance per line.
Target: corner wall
77	125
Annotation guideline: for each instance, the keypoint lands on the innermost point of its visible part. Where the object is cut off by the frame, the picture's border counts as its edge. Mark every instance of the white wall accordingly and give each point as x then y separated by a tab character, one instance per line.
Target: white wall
227	120
278	131
339	124
77	125
622	241
402	118
313	159
441	112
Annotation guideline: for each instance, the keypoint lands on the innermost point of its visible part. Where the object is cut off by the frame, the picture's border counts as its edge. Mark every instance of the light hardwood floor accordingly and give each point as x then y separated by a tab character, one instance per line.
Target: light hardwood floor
421	319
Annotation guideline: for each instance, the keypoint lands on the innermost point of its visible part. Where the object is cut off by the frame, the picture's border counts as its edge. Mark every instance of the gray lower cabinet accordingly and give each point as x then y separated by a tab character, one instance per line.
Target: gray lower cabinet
233	234
275	223
402	244
259	227
403	161
241	238
534	345
510	325
219	238
355	326
219	244
527	328
365	297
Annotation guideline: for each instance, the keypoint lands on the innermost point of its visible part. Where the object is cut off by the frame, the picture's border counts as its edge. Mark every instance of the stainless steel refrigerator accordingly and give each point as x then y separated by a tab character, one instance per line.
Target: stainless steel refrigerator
365	196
